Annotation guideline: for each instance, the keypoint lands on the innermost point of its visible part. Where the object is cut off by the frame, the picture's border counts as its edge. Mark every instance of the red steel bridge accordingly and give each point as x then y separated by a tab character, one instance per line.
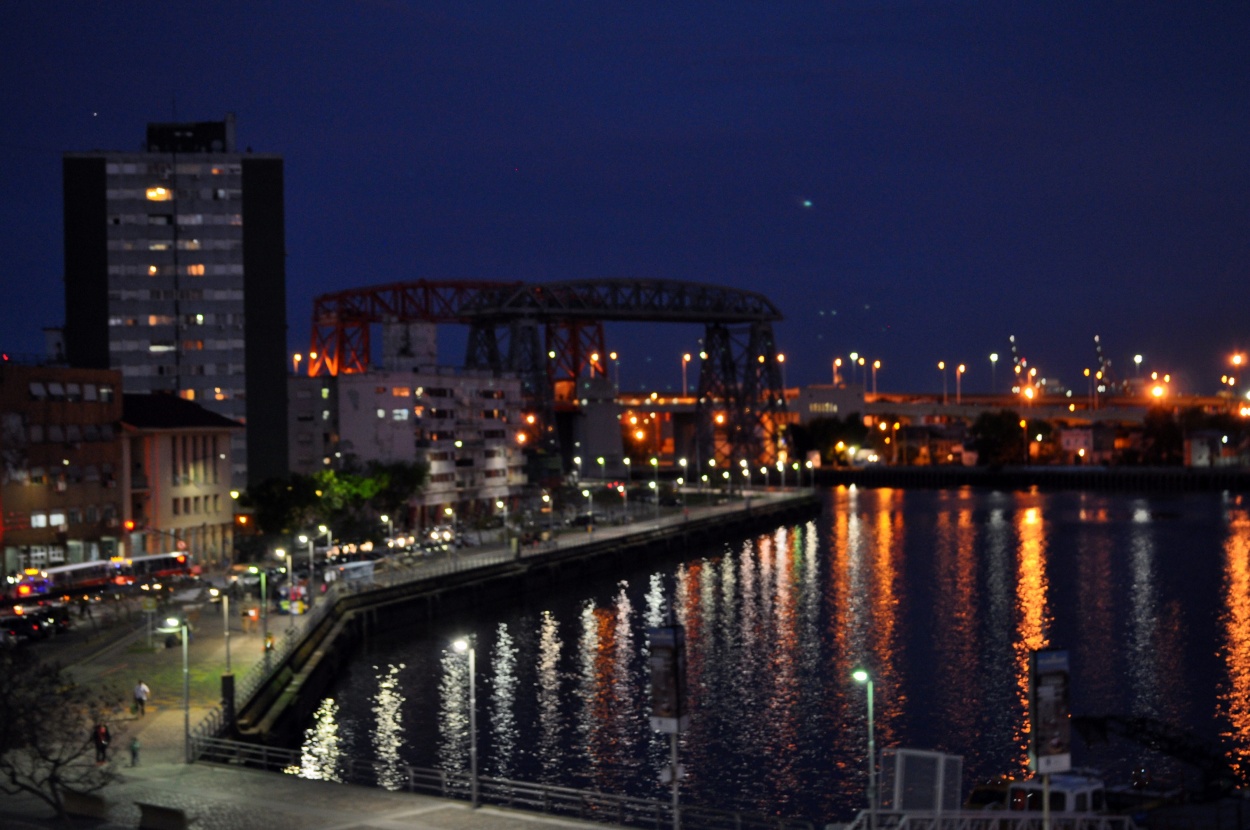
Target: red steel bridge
551	336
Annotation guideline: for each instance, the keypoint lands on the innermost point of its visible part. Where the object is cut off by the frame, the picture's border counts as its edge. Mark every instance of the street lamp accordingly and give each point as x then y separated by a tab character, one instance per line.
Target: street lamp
461	646
1137	364
390	530
993	373
181	624
837	364
781	359
308	540
616	371
685	360
590	519
577	459
863	677
854	359
281	553
503	505
681	482
959	374
655	483
264	610
942	369
629	472
624	491
603	469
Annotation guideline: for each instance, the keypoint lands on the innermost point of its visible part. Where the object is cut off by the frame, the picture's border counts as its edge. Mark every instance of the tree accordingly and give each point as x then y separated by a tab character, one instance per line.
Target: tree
998	438
46	724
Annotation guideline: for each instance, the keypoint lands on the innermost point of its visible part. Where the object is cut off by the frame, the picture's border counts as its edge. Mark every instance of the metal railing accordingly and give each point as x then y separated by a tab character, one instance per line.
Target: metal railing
586	805
987	820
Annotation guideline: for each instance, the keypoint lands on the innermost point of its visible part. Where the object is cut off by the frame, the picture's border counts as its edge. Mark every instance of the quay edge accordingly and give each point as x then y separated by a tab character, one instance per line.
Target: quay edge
278	708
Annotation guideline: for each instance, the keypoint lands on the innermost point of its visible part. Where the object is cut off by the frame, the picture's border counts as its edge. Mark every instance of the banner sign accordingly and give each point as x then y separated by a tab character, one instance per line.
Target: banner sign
1050	716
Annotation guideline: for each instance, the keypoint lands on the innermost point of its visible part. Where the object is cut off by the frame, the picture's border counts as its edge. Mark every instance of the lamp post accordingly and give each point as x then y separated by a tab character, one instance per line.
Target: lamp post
781	361
590	520
685	361
876	364
461	646
290	583
616	371
942	369
603	468
264	611
1137	364
577	459
959	374
681	483
993	373
781	468
854	360
862	676
390	530
225	624
186	695
655	484
837	364
503	505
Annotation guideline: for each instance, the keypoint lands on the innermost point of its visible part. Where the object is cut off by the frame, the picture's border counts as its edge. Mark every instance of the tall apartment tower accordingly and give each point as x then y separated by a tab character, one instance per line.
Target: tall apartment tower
175	275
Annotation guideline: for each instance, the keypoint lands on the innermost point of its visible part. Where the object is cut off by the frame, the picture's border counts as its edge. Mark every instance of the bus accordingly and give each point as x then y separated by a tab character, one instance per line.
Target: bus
60	580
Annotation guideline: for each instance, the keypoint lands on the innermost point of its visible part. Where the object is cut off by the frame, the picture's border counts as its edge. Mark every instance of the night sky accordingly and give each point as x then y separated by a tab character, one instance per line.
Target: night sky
915	181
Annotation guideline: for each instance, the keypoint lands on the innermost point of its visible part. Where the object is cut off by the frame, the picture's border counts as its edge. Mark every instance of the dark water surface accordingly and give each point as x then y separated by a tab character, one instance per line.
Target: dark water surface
942	594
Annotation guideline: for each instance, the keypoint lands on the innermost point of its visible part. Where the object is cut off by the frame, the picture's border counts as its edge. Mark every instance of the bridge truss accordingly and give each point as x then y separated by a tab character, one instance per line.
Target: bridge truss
551	336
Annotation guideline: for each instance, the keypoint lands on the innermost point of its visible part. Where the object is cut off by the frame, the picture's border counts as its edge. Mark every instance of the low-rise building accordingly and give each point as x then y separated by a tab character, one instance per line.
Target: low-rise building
176	457
60	461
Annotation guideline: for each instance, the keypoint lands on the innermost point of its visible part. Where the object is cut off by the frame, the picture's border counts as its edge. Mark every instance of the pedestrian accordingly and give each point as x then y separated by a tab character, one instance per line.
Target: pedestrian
134	752
101	739
141	697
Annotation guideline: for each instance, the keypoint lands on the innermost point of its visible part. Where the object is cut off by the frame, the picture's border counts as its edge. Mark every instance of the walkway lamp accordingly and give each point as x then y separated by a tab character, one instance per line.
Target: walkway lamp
863	677
461	646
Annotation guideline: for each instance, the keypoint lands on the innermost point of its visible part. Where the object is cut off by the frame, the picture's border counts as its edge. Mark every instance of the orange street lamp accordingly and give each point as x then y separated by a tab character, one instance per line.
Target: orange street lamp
942	369
685	360
959	373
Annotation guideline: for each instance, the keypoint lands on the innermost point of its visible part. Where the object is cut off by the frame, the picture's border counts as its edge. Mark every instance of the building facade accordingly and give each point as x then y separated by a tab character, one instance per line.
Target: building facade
60	496
175	276
176	458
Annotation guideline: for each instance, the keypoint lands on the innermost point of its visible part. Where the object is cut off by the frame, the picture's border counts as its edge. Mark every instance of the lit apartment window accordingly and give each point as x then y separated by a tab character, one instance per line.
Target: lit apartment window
189	244
192	345
381	413
56	519
195	270
153	270
159	194
399	414
160	320
400	391
160	245
38	519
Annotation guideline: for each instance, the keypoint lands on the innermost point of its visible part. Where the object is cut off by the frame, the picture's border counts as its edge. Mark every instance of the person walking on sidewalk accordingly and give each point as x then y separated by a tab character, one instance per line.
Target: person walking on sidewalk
141	697
100	737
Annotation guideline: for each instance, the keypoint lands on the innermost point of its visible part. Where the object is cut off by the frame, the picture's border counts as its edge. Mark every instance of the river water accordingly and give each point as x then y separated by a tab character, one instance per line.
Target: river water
941	594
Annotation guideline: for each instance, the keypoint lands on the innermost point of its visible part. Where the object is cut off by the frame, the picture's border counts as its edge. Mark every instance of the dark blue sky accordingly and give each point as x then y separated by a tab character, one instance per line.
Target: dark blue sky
915	181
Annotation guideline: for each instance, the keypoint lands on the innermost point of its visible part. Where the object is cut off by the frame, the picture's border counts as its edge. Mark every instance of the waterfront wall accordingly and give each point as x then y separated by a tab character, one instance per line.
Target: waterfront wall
1122	479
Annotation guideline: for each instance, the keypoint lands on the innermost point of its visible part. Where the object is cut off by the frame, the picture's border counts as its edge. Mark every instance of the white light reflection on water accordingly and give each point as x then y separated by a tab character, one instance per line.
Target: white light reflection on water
322	752
388	730
453	708
503	693
1143	631
941	593
550	730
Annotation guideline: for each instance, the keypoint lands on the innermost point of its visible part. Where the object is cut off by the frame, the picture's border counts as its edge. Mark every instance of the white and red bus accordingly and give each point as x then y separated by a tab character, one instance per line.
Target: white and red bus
59	580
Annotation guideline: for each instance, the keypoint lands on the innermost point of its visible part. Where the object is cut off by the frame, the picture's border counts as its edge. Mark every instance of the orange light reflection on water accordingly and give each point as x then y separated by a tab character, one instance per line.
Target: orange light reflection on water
1032	612
1235	696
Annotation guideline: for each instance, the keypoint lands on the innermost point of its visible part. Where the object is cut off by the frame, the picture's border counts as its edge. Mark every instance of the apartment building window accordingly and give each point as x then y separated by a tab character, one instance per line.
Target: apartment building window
159	194
38	520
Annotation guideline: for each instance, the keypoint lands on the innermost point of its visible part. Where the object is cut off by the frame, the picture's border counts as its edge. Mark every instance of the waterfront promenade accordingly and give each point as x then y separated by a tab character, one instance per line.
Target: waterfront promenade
116	652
